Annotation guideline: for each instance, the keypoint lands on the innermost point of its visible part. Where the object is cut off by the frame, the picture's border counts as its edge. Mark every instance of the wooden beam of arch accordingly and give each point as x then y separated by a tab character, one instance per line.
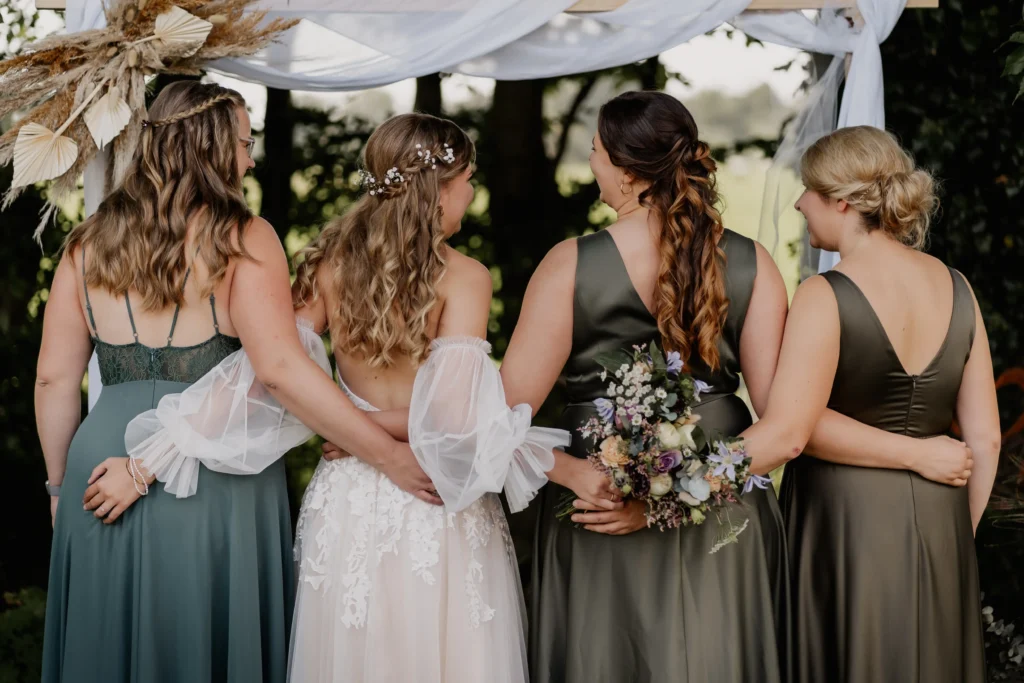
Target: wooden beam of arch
580	6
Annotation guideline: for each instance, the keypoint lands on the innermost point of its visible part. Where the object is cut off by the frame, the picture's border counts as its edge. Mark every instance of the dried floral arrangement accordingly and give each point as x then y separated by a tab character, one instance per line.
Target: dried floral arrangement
86	90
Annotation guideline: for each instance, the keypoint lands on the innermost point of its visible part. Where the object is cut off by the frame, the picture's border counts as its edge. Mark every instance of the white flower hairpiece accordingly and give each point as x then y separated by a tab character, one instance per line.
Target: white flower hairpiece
428	157
394	176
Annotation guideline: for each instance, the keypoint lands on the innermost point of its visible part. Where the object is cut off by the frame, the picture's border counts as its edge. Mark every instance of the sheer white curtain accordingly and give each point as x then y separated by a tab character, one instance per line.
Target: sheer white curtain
863	102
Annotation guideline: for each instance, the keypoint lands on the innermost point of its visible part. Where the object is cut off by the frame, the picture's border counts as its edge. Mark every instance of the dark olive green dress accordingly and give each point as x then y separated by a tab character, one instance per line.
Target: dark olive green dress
654	606
885	579
190	590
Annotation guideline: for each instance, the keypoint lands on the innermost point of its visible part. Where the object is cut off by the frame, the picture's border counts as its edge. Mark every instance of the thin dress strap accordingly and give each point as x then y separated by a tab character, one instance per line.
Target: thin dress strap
213	309
131	318
174	320
177	308
88	304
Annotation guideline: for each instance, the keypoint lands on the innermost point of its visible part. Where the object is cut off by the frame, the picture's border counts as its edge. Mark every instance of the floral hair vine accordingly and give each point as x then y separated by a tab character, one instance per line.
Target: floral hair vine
394	176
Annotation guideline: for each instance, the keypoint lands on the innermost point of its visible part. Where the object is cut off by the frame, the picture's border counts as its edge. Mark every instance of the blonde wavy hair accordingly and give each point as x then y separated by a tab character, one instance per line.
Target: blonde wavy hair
385	256
654	137
867	168
185	169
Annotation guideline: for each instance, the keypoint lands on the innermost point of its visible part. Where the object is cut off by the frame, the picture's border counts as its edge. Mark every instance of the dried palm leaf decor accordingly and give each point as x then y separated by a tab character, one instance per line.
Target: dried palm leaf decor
84	91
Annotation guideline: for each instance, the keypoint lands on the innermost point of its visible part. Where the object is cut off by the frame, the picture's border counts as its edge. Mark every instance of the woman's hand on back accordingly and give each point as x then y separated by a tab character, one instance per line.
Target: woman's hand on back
944	460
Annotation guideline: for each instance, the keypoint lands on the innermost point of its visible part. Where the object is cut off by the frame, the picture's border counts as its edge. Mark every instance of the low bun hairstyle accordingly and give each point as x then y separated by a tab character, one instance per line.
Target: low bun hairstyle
867	168
653	137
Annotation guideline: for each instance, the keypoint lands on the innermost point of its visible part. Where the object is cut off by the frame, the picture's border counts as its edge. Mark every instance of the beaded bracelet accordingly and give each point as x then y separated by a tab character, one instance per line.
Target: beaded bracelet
136	472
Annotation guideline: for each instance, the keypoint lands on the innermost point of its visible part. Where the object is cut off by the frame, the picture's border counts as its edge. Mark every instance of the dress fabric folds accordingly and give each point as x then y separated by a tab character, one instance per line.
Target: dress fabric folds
657	606
177	590
885	576
394	589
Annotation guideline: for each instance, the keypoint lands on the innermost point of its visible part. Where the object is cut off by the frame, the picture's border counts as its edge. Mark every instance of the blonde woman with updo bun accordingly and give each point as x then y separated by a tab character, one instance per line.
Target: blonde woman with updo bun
185	579
392	588
880	523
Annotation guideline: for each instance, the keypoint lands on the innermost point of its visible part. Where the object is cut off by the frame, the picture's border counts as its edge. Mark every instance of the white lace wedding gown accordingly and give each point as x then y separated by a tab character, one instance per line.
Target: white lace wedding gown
394	589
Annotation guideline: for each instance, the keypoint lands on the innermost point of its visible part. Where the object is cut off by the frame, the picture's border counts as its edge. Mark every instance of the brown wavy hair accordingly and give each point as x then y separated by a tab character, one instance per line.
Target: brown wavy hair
386	255
869	169
185	169
653	137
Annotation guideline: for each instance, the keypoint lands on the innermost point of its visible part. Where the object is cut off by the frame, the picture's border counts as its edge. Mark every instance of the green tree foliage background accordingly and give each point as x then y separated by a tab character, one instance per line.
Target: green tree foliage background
949	97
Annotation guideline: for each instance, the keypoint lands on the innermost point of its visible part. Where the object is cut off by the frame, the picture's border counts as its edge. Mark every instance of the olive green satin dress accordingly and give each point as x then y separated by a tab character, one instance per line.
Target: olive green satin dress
885	578
654	606
189	590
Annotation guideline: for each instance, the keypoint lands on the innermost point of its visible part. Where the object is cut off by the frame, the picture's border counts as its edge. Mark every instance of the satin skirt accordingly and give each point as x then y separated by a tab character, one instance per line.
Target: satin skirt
885	576
657	606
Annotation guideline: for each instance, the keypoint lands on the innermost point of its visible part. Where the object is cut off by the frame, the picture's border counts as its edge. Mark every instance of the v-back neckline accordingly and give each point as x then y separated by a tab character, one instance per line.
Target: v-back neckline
888	341
625	272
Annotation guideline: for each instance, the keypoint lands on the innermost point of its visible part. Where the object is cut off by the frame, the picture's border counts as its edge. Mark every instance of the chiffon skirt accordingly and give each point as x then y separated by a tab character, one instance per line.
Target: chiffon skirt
190	590
394	589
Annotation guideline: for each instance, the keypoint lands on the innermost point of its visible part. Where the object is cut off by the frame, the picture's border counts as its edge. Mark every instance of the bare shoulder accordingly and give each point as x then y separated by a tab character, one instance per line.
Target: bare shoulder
559	264
766	265
814	295
465	273
260	238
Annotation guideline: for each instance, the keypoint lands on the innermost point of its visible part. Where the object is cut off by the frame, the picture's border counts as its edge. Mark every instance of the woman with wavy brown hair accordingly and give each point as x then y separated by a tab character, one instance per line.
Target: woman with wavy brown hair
391	588
614	600
170	278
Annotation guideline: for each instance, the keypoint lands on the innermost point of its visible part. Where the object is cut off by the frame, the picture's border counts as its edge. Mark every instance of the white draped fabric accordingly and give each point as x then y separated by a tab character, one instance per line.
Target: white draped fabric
339	45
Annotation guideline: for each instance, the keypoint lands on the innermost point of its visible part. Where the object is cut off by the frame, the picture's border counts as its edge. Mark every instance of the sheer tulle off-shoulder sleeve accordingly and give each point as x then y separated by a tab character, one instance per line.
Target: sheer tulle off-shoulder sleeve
227	421
466	438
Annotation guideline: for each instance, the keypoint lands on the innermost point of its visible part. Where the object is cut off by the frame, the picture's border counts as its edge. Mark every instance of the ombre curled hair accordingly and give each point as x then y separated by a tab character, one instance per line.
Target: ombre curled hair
653	137
385	256
185	169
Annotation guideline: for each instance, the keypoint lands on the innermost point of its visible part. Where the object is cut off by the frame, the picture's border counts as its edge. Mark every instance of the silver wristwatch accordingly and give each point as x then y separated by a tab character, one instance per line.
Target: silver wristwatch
51	489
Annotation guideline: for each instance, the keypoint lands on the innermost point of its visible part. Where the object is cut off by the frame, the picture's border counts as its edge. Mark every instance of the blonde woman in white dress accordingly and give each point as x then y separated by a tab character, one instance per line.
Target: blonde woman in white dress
392	587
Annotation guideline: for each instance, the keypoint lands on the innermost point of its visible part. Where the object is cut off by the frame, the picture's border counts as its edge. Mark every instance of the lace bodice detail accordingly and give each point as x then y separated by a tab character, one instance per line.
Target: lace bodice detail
137	362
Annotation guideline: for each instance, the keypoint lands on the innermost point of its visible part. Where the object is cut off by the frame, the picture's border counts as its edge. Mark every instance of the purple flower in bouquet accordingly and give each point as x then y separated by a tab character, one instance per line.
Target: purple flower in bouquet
726	460
673	362
758	481
605	408
668	461
699	388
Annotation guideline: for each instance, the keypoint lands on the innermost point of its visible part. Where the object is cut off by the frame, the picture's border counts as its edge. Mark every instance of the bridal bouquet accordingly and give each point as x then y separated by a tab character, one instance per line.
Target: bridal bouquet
651	445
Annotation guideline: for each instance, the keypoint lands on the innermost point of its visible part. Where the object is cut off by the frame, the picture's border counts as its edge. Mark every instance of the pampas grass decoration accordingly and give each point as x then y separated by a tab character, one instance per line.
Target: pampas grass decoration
53	141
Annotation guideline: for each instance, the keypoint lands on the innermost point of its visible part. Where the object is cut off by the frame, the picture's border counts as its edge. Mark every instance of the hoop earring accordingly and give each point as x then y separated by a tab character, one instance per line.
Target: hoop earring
623	191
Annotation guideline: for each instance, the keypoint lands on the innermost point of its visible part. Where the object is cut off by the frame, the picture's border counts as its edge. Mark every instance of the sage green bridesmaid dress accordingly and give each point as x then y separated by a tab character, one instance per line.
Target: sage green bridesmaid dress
655	606
885	577
190	590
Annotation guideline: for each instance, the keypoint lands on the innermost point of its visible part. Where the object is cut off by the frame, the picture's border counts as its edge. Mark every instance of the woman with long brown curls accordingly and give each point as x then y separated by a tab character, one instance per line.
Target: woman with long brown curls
614	600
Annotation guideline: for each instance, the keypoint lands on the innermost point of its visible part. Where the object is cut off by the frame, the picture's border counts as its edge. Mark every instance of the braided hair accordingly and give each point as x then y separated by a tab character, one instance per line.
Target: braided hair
653	137
184	170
